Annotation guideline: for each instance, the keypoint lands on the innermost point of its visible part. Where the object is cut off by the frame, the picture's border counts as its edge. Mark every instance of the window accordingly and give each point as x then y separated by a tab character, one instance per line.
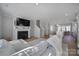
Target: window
68	28
63	28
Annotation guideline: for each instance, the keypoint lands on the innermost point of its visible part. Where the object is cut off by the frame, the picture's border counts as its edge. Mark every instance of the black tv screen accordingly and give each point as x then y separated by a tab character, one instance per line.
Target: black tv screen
22	22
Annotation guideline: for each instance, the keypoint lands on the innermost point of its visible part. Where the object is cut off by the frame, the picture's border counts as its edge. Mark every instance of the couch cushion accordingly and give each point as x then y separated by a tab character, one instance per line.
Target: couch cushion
19	45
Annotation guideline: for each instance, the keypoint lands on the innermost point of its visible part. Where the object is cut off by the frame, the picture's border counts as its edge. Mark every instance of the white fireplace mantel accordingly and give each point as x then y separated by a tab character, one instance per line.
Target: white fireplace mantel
20	28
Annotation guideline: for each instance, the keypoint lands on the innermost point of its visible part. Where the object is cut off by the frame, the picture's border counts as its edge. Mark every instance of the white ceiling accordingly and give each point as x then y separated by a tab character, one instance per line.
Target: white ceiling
54	12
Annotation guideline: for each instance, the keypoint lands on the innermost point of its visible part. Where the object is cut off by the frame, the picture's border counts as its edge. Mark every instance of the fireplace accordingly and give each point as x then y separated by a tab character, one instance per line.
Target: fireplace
21	29
22	35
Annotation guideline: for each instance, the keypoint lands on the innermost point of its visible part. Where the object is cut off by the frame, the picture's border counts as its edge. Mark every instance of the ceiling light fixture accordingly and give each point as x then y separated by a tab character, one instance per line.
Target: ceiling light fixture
36	4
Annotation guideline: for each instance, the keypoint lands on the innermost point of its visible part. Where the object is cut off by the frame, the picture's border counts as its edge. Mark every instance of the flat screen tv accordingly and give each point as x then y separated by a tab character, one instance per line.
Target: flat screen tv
22	22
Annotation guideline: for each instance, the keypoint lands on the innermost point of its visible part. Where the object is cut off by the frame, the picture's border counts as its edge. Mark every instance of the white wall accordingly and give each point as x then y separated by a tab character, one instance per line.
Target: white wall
0	22
7	24
0	28
52	13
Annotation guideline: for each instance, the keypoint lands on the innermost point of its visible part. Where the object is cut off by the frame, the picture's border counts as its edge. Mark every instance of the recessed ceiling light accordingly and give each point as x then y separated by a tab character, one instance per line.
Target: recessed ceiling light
6	5
66	14
36	4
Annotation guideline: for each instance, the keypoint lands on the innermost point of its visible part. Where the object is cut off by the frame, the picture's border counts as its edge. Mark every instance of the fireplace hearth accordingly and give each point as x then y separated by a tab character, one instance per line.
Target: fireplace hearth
22	35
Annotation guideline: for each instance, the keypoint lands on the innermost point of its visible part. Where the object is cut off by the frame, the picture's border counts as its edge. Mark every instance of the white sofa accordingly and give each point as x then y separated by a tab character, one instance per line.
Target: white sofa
56	41
42	48
5	48
18	44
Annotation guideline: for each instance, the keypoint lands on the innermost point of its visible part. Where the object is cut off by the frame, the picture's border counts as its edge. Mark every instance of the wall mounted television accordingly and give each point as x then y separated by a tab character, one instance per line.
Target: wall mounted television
22	22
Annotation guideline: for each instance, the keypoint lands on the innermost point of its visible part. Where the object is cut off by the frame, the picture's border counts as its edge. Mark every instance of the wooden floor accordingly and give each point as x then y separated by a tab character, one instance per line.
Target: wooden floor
72	52
34	38
72	49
